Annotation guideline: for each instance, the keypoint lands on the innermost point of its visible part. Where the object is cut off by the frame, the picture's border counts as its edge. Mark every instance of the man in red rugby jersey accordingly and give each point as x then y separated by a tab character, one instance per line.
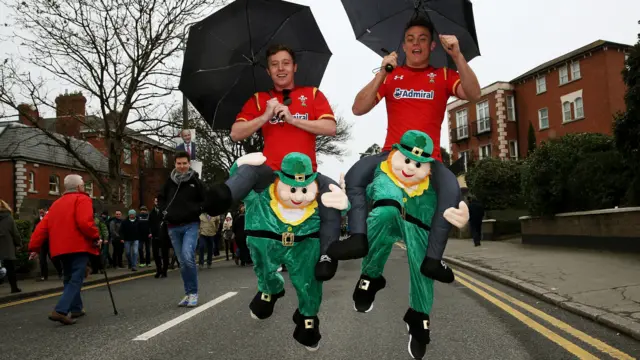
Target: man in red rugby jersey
290	118
416	95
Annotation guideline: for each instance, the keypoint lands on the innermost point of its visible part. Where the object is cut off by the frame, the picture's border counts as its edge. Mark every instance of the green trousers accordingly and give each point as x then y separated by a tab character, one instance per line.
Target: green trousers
300	259
385	226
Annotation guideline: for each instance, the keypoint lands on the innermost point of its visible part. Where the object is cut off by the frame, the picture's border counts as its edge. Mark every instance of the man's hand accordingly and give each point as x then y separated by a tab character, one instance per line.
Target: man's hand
336	199
271	106
458	217
282	112
343	184
254	159
391	59
451	45
33	255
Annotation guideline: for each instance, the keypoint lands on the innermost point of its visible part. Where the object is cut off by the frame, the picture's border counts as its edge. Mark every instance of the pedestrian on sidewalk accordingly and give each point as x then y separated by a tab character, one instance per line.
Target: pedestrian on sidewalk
208	229
227	237
116	239
180	201
107	260
130	232
145	237
159	241
44	253
241	237
10	242
73	237
476	214
97	261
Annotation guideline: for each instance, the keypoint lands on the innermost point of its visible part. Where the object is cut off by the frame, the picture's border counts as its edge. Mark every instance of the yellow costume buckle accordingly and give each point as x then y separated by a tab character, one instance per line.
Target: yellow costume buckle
308	324
417	151
364	284
288	238
265	297
300	177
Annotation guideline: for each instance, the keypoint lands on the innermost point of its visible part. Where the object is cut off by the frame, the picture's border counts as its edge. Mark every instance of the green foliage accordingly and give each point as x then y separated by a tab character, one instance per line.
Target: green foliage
531	142
627	125
573	173
24	265
446	157
495	183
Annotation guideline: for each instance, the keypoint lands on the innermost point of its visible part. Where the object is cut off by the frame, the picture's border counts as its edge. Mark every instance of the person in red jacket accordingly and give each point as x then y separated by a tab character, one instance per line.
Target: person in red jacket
73	237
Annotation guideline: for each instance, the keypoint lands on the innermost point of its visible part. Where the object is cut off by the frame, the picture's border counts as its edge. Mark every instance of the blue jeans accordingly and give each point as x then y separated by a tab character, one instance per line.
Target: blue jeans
73	266
208	242
184	239
131	249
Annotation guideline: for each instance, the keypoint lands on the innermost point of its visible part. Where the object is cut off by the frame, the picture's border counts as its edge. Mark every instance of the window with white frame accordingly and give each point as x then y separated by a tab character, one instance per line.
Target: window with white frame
32	182
575	70
165	160
564	75
511	108
566	111
541	85
147	158
54	184
462	124
485	151
578	108
464	155
482	112
88	188
543	118
127	154
513	149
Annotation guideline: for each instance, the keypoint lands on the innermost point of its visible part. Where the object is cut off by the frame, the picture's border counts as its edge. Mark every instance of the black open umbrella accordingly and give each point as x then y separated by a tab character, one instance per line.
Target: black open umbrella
225	62
379	25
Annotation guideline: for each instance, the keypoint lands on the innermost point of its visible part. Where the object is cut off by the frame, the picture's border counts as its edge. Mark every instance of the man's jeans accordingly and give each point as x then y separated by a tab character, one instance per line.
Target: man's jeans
73	266
206	241
131	249
185	241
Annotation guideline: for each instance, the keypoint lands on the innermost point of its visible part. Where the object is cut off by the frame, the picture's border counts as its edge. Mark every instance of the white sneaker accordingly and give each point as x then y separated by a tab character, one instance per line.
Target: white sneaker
193	300
184	301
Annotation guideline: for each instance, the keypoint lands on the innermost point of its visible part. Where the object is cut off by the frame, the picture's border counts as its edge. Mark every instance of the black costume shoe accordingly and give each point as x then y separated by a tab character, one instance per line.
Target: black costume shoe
262	304
354	247
437	270
418	326
218	199
307	330
326	268
365	292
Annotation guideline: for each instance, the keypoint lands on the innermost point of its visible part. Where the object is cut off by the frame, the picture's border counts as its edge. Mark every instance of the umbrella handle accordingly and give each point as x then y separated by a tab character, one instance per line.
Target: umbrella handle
388	68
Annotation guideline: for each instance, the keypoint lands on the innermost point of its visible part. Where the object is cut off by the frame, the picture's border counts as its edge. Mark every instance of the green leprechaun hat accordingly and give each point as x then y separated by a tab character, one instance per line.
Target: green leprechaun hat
416	145
296	170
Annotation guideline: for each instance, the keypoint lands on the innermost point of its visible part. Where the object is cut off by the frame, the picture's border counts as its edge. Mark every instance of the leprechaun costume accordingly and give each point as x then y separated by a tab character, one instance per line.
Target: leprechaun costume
404	212
277	234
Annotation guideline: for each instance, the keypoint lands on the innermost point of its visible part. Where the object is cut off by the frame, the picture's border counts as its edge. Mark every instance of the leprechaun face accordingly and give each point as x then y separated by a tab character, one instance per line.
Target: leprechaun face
296	197
407	170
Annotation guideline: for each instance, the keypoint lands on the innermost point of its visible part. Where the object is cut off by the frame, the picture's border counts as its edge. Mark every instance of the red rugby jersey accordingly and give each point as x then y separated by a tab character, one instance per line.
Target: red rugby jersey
308	103
417	100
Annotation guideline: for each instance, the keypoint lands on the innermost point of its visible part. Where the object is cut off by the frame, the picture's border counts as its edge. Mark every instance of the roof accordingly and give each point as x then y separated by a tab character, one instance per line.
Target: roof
26	142
568	56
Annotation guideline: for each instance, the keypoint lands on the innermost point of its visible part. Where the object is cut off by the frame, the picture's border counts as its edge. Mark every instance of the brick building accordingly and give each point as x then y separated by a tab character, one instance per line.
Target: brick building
576	92
37	164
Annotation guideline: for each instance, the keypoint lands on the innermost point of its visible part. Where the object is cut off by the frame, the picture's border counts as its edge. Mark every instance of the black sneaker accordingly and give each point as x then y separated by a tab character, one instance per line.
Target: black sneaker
354	247
326	268
365	292
418	327
437	270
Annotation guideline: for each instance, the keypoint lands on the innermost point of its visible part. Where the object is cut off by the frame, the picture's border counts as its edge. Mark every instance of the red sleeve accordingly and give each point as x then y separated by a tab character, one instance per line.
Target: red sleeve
40	234
321	106
250	110
453	81
382	90
84	218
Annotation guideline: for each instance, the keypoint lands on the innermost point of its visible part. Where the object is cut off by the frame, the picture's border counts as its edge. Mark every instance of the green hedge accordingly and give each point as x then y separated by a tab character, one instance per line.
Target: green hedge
495	183
24	265
576	172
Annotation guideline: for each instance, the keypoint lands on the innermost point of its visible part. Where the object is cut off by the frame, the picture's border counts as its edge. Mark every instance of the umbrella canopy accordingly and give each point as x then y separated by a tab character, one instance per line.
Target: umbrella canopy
380	24
225	60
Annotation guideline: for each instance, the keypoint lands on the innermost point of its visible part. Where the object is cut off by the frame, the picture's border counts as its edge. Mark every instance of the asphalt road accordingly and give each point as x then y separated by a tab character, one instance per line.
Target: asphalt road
472	319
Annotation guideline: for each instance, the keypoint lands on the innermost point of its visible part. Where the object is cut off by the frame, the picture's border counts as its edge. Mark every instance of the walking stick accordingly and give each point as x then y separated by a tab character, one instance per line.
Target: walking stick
104	271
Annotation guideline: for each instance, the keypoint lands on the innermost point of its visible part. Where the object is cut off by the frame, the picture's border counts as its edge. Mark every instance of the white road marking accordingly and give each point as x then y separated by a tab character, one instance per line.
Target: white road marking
186	316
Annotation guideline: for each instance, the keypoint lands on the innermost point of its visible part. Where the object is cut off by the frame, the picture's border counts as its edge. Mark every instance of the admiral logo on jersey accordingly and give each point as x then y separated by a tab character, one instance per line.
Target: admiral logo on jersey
275	119
413	94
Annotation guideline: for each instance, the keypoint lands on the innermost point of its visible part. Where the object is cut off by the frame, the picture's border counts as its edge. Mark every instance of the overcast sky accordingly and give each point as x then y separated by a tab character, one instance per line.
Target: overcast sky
514	36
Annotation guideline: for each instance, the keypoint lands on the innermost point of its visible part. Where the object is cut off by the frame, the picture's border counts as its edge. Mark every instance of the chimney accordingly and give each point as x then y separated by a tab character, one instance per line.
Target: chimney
26	111
70	114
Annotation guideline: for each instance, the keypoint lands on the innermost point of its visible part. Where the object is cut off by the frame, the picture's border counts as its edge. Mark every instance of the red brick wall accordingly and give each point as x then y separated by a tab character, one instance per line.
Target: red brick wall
6	182
42	174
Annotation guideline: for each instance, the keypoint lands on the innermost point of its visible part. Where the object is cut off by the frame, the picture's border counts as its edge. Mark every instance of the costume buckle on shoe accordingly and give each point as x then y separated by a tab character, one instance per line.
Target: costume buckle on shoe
425	324
288	238
308	324
364	284
265	297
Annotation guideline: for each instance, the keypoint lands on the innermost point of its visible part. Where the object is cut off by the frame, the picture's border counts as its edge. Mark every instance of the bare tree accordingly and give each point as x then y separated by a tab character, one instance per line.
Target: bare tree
121	53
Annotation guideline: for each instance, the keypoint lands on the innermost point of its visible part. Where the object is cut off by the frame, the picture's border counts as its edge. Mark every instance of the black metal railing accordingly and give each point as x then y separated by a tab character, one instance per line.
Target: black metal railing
459	133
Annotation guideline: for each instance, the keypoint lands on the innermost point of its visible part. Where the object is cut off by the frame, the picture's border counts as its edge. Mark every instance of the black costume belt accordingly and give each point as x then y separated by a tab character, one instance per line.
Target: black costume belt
405	216
287	238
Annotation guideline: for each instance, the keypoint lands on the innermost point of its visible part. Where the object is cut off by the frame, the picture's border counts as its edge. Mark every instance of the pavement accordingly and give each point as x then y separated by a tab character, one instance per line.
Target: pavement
603	286
475	317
